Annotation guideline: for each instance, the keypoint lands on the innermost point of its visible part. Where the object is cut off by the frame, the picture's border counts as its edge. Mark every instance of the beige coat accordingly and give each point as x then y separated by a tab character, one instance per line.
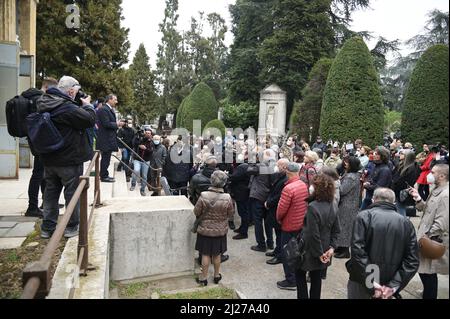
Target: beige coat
435	223
214	207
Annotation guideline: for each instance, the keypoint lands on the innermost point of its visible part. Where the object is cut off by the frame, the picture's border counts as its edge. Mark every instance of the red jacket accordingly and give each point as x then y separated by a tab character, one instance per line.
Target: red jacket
293	205
422	180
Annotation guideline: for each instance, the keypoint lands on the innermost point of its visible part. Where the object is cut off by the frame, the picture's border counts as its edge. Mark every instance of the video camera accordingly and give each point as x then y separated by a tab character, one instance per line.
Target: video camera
80	95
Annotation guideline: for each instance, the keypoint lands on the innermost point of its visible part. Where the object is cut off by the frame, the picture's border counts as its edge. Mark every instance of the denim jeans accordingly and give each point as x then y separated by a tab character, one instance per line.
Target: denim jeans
243	211
126	159
288	272
140	169
259	213
56	178
367	201
37	180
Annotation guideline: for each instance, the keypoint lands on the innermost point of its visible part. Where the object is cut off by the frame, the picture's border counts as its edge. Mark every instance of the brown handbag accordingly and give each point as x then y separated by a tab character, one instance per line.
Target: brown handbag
431	249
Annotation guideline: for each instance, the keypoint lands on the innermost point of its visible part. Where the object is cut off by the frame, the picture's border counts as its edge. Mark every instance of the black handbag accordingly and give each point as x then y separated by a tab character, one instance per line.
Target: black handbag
294	252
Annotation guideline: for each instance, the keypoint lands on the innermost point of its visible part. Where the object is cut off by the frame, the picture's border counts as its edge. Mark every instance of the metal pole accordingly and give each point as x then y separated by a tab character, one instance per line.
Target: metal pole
97	180
83	234
158	181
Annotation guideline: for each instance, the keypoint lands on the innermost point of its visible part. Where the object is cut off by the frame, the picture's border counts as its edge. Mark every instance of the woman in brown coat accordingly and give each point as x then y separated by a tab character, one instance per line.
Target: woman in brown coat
214	208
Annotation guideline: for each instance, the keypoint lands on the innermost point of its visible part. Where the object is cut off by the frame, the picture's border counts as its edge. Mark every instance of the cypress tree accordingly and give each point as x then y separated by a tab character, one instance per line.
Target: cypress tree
218	124
352	105
306	113
425	112
199	105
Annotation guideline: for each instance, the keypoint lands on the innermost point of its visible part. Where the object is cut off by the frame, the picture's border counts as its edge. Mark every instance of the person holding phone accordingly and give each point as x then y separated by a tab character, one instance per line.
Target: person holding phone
404	176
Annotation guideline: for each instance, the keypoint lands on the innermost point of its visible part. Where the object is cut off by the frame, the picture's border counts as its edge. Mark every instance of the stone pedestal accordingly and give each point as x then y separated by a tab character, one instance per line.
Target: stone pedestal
272	111
152	239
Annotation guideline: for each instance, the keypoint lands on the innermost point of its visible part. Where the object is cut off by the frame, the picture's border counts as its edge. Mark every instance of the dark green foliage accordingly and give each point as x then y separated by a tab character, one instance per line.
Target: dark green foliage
93	54
305	119
218	124
425	112
302	35
180	113
242	115
145	100
199	105
352	105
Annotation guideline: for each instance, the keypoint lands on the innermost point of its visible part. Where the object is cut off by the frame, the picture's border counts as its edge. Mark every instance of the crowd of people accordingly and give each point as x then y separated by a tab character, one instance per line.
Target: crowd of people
344	200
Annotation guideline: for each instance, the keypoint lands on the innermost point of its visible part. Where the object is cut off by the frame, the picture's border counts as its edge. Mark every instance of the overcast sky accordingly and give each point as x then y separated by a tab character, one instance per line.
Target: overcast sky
392	19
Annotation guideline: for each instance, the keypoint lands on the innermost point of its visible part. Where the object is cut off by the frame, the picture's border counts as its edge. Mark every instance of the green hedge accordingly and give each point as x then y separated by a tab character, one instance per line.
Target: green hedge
425	111
352	105
201	105
218	124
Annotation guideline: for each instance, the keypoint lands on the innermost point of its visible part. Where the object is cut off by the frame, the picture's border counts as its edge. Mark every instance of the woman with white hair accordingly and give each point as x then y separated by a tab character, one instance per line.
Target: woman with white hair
308	170
214	208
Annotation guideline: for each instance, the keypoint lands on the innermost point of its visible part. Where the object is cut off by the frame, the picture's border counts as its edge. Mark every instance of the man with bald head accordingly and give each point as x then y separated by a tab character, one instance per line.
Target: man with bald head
279	179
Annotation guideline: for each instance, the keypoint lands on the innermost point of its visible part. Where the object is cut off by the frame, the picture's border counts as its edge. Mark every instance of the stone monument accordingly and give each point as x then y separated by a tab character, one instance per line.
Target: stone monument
272	111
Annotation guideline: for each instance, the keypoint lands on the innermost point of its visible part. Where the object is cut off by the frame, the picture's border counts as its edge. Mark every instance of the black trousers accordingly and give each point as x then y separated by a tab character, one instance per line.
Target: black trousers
430	285
104	164
302	286
37	180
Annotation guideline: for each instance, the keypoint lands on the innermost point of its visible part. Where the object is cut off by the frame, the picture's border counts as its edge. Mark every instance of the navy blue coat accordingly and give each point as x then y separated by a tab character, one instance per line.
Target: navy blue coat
107	130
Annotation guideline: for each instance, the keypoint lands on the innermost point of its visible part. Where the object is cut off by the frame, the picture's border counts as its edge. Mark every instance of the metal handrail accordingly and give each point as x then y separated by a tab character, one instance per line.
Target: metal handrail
36	275
137	155
158	178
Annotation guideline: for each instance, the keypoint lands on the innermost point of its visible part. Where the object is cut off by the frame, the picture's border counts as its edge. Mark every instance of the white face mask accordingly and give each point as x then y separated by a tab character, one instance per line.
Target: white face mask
311	189
431	179
276	169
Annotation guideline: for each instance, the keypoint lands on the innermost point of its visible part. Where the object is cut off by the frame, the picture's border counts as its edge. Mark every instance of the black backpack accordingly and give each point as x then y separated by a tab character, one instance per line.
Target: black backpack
17	110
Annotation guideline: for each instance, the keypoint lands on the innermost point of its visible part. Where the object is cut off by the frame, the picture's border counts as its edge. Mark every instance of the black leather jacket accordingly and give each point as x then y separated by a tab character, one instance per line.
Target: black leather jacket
200	183
383	239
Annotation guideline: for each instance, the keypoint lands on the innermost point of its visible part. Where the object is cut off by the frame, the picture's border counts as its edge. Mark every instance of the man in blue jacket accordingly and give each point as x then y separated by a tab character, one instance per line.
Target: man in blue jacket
64	167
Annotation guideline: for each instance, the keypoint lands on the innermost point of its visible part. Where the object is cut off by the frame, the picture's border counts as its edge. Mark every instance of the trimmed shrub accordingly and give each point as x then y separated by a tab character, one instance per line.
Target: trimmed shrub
352	105
425	112
218	124
201	105
306	113
180	112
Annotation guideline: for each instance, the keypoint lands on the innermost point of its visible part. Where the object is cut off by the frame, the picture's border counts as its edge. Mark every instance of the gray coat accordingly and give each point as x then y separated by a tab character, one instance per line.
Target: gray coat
434	222
348	207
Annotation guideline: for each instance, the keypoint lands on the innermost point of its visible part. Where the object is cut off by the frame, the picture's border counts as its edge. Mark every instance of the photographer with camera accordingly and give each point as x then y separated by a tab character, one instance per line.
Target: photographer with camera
107	135
126	135
144	147
64	165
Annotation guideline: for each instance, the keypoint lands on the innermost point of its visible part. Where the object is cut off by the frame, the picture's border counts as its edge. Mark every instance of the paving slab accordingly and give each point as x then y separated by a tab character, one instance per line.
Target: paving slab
4	231
11	243
20	230
7	224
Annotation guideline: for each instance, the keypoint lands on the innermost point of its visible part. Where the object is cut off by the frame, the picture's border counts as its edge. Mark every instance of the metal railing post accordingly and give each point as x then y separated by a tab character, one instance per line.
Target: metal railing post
83	233
158	181
97	180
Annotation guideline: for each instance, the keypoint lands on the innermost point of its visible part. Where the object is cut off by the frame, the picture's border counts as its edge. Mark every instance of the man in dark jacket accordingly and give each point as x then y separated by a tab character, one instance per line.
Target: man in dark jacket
200	182
64	167
259	192
178	166
240	193
126	135
157	160
380	177
279	181
384	250
143	146
320	145
107	135
37	177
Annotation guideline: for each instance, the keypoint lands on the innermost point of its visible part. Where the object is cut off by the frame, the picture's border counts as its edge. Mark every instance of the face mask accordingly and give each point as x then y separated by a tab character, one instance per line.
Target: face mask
276	169
156	142
311	189
431	179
